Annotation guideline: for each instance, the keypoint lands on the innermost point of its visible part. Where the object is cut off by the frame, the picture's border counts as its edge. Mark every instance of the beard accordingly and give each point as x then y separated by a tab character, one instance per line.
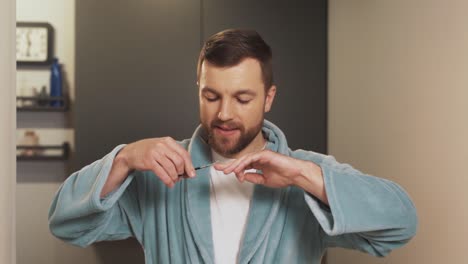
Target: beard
227	146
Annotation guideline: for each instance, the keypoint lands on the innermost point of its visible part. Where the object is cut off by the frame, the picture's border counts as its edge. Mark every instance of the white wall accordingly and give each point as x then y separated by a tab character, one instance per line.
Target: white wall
35	244
398	109
7	126
61	15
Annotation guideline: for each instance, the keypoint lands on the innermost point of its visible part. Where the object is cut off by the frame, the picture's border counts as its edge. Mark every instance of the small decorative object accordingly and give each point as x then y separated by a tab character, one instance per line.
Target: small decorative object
42	94
56	83
30	138
34	43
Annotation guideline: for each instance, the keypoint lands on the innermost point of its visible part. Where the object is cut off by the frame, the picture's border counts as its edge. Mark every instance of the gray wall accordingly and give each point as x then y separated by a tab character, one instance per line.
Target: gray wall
136	68
297	34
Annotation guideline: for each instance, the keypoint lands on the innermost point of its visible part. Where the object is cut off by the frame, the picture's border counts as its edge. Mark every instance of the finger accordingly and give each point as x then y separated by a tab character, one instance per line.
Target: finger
248	162
162	175
221	166
244	171
255	178
240	173
240	176
177	160
169	167
230	168
183	153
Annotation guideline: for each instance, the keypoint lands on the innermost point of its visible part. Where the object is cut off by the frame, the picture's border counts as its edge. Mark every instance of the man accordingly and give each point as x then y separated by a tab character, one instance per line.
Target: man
259	203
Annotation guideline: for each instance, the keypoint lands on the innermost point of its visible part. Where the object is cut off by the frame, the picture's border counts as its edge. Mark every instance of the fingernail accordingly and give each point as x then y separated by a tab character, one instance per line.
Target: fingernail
192	173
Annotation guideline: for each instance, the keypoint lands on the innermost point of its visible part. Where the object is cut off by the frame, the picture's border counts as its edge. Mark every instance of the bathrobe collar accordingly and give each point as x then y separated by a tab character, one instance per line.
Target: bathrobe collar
263	207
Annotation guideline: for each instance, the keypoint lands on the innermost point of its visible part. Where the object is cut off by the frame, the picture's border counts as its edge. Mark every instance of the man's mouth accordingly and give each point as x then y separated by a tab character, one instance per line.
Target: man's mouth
226	130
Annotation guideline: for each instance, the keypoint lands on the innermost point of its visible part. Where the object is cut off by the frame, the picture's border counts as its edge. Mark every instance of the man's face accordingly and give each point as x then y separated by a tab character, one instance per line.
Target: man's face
232	105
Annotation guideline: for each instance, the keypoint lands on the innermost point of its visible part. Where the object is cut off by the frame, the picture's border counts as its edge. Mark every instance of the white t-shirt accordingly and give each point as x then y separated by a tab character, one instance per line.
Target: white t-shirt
229	202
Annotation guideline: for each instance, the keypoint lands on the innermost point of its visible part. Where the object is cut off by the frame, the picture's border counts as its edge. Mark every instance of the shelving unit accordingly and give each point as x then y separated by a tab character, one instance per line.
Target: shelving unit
42	104
64	152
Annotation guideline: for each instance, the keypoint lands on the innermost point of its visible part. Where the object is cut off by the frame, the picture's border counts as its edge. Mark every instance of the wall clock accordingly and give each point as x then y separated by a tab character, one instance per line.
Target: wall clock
34	43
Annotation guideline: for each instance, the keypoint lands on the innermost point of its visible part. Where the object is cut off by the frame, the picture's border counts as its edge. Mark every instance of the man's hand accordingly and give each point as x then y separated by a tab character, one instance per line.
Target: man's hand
278	171
164	156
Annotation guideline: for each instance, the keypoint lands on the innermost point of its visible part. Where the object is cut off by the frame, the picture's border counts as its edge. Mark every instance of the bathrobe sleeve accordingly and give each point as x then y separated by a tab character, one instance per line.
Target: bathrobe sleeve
365	213
79	216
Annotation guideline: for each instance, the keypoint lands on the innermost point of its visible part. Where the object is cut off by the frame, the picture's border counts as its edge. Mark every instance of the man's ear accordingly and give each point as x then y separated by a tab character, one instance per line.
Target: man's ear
270	96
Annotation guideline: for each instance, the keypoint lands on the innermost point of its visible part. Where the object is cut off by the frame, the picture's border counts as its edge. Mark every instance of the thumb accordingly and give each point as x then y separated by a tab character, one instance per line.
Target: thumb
255	178
220	166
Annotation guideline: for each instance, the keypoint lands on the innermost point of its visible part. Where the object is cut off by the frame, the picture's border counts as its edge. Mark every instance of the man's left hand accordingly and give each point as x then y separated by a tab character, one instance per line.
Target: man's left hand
278	171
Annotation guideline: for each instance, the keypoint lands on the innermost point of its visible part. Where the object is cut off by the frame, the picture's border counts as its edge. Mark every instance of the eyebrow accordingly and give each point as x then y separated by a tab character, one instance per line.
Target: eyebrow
237	93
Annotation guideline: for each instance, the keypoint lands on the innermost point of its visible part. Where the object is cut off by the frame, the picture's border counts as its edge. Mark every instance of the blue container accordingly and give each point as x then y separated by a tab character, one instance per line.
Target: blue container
56	83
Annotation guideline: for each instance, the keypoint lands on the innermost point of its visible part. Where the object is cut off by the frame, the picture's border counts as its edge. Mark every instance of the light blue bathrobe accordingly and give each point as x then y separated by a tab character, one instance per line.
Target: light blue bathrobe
284	225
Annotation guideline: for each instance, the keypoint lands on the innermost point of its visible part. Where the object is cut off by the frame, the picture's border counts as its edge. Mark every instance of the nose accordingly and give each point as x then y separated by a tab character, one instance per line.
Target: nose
225	113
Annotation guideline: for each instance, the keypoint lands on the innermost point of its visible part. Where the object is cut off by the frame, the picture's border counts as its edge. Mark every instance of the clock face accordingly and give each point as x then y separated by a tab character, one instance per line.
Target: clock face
33	43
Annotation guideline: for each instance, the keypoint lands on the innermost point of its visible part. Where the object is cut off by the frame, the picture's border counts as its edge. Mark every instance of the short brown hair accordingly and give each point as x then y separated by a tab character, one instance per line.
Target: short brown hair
229	47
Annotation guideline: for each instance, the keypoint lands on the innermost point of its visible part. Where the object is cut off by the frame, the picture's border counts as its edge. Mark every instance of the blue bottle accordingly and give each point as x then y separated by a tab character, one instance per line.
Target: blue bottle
56	83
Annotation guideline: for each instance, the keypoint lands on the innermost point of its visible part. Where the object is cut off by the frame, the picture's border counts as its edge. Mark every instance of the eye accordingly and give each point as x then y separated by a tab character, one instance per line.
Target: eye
211	99
241	101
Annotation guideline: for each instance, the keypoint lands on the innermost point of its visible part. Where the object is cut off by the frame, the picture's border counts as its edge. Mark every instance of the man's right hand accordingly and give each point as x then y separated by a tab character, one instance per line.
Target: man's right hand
164	156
